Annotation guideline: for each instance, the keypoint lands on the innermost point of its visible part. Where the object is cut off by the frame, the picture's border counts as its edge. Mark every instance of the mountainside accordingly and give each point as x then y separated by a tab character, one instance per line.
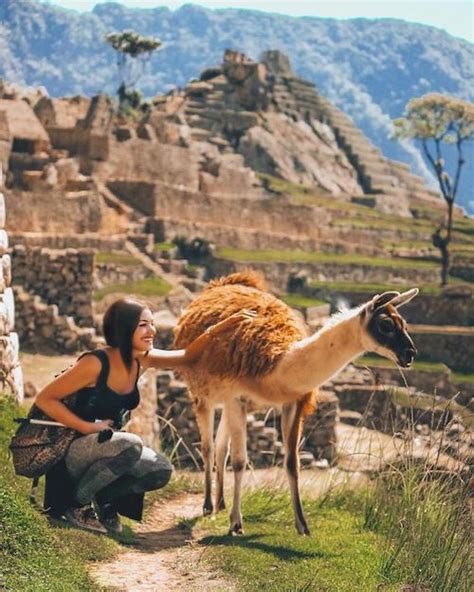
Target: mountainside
368	68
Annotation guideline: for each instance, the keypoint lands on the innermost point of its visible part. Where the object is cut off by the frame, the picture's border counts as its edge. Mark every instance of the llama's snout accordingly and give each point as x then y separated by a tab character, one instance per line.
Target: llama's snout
406	357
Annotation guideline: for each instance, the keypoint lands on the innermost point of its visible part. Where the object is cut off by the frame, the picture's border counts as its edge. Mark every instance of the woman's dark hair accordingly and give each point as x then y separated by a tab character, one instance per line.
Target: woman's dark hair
120	321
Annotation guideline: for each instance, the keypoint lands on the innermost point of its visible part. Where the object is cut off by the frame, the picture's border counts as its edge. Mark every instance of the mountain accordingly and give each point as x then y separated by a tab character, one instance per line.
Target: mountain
367	68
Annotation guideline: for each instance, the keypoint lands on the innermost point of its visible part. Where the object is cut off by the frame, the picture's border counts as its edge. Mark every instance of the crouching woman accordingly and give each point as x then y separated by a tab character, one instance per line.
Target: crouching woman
111	476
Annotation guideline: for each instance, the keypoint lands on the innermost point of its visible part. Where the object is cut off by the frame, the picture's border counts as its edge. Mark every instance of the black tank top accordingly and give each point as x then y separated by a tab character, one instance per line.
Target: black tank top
100	401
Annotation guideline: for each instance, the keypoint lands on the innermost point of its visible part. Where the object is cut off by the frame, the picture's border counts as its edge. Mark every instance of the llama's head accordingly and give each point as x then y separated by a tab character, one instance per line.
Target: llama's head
386	330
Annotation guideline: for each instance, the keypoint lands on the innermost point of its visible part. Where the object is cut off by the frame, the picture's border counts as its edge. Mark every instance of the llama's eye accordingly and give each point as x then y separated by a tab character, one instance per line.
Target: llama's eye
386	326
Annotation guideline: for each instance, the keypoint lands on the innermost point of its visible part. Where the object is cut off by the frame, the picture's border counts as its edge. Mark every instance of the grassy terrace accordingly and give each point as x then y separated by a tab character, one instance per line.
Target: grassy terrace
432	289
375	361
269	255
358	216
124	259
164	246
299	301
467	248
147	287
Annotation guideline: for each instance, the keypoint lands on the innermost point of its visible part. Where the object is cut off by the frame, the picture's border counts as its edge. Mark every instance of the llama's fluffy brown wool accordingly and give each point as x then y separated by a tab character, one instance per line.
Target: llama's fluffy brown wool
254	347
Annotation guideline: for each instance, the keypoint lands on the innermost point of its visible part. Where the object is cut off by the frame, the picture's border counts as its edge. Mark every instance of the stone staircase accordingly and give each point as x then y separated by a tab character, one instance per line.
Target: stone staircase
378	175
380	178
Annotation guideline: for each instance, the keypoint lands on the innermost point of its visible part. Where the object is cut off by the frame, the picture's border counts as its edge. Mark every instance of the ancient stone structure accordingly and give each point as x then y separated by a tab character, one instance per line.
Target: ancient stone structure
11	378
277	273
60	117
63	278
23	140
203	163
42	328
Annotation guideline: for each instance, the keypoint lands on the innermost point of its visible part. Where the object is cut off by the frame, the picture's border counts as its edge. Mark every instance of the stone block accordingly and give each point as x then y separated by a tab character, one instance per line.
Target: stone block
6	270
3	242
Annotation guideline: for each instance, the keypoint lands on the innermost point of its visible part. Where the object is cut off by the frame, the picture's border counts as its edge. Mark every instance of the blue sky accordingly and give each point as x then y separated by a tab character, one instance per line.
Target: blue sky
456	16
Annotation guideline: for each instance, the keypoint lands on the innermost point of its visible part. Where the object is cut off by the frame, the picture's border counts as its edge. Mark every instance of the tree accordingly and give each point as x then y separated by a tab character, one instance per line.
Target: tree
133	52
437	121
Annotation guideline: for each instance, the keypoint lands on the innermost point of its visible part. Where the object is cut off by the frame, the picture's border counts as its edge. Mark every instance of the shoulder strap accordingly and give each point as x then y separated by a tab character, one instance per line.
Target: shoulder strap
104	360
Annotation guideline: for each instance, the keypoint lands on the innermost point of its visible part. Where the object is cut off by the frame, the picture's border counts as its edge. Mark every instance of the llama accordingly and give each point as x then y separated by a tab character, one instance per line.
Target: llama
271	359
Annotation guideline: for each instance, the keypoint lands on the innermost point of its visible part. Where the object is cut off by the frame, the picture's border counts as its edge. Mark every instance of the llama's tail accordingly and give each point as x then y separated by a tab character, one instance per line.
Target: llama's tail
246	277
309	403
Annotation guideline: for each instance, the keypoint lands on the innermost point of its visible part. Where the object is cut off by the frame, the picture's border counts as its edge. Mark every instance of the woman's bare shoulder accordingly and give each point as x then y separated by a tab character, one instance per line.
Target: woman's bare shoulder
88	363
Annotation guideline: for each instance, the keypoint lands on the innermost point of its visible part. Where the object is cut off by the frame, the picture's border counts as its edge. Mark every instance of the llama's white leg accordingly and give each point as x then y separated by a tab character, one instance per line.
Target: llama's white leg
205	420
291	424
236	412
222	450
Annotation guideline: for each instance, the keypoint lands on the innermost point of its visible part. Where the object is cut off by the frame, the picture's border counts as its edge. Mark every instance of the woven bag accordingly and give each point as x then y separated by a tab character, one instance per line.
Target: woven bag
36	448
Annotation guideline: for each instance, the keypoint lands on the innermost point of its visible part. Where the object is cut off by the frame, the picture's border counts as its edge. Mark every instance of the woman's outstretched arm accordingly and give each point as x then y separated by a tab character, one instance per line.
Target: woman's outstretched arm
158	358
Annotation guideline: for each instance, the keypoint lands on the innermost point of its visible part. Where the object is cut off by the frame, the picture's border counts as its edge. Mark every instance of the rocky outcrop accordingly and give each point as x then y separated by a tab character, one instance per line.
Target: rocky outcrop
301	152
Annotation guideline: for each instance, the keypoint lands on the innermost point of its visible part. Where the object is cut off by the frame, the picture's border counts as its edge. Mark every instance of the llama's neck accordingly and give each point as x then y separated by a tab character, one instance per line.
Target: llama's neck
314	360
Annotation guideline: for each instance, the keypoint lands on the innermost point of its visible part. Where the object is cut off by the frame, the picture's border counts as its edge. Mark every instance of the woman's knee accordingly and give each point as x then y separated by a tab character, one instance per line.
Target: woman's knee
125	445
157	468
157	479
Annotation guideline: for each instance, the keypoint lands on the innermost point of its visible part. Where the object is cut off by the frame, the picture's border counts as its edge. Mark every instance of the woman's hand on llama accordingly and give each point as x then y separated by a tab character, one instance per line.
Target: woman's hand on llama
231	321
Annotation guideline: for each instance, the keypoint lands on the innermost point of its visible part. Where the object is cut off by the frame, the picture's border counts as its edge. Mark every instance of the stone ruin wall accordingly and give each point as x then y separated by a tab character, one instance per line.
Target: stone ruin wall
60	277
175	203
43	210
61	241
11	376
145	160
277	273
41	328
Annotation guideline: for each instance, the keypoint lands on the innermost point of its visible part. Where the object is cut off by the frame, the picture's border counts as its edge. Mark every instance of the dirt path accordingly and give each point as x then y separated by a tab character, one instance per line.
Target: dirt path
164	556
167	557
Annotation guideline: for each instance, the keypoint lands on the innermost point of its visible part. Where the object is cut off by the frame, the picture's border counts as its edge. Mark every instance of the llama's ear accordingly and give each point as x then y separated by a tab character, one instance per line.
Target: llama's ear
382	299
405	297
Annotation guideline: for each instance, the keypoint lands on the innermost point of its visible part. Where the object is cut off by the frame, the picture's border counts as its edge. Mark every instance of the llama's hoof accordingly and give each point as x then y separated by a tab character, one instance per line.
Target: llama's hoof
220	505
303	530
236	529
207	511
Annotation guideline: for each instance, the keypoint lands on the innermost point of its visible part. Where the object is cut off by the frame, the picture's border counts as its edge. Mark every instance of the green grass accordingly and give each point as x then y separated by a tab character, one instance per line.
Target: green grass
164	246
34	556
427	521
456	248
270	255
358	216
462	378
117	259
146	287
370	288
339	556
298	301
379	362
405	528
380	223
